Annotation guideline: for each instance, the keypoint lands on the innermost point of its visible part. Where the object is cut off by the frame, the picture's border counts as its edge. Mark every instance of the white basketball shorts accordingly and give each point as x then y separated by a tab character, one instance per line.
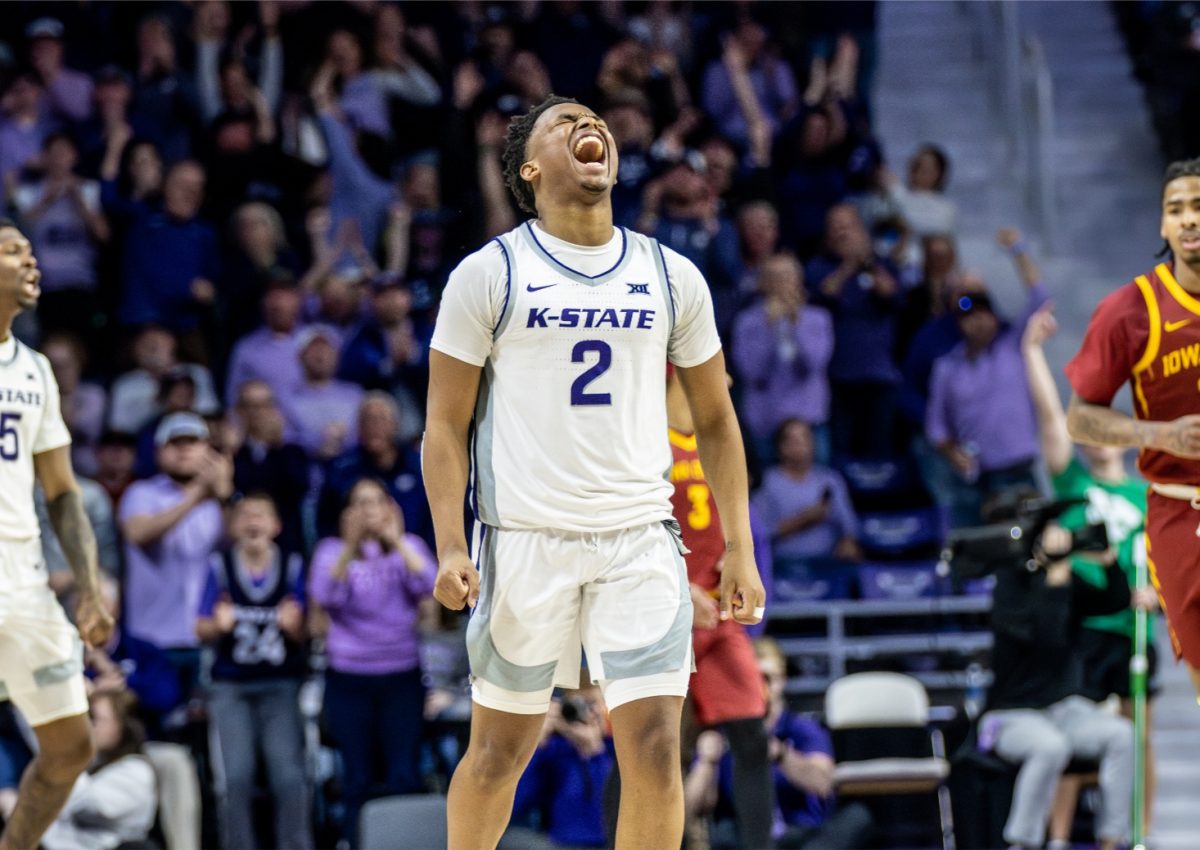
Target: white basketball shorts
41	655
622	595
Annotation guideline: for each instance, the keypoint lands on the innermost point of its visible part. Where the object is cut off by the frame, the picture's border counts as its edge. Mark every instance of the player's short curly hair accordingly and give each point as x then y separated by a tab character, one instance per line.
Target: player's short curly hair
1181	168
519	131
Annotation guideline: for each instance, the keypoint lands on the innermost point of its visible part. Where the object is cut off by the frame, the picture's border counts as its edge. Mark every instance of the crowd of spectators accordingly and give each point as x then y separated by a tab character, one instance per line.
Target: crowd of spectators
245	214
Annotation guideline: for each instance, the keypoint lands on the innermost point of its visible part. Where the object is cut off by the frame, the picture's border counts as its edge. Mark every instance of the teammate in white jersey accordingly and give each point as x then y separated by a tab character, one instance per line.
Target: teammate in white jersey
41	658
548	395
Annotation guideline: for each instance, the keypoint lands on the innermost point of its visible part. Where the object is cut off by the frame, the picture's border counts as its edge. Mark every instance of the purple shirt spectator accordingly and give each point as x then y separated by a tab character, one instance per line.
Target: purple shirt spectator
266	356
357	193
165	579
373	612
782	496
782	366
981	401
69	95
793	806
315	412
20	142
774	87
66	251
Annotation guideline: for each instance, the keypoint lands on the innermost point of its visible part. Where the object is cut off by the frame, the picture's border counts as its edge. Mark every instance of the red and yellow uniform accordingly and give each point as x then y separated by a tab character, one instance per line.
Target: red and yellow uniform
726	685
1148	333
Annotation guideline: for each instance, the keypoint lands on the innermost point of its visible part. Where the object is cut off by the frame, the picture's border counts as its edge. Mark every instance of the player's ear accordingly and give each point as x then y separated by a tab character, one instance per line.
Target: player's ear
529	171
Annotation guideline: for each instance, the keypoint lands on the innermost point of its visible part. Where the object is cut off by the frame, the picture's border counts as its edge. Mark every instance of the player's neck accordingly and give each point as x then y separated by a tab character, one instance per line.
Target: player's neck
6	321
1188	278
578	224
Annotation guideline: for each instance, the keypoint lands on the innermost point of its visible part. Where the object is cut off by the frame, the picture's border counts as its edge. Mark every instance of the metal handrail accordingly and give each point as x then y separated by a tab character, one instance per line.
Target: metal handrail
1023	96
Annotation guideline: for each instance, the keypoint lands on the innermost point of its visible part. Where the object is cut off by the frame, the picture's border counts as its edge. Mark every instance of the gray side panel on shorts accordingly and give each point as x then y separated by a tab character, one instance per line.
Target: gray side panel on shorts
52	674
665	654
486	661
485	474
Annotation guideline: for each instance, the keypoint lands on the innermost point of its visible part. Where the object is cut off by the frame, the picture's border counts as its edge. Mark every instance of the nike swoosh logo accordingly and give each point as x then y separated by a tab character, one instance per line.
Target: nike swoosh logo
529	287
1168	326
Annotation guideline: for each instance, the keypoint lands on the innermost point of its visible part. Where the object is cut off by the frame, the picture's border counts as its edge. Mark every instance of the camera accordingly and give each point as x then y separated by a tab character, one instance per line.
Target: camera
1016	524
575	710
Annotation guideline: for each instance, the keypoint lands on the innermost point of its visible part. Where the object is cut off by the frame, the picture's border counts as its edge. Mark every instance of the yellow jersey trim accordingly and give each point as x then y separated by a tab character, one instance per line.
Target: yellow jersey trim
1155	315
1186	300
680	440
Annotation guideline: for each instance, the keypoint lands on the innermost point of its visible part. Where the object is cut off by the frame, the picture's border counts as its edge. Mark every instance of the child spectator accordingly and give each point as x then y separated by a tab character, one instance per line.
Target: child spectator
252	612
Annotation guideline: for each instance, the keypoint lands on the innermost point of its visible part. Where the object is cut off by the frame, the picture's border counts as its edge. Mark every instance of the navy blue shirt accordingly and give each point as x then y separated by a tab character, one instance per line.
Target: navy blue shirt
567	791
403	481
163	255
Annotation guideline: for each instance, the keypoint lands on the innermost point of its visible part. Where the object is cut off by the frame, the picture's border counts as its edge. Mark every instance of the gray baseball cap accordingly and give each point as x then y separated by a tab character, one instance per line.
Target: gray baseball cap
178	425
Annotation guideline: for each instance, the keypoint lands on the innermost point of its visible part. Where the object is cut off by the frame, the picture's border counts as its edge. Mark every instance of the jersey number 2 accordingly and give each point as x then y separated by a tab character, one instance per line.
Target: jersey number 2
10	437
604	360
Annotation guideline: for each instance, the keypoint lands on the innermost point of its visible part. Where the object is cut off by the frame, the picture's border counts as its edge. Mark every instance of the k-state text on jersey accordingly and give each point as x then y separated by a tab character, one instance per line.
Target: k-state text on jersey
590	317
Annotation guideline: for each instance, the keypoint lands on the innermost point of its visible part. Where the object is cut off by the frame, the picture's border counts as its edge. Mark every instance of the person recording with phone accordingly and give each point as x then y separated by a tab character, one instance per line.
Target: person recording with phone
806	506
1038	717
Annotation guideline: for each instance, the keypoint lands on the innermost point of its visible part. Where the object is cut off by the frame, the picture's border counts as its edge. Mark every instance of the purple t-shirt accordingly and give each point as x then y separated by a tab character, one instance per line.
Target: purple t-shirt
311	410
984	402
782	496
164	580
264	355
782	367
793	806
373	611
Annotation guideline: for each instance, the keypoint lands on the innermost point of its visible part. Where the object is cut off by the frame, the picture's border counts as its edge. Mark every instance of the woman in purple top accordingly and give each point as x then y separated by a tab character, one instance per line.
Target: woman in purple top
370	582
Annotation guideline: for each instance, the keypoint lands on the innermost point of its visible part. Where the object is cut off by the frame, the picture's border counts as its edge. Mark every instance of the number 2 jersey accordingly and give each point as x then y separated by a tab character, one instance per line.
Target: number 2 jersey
1147	333
31	422
570	429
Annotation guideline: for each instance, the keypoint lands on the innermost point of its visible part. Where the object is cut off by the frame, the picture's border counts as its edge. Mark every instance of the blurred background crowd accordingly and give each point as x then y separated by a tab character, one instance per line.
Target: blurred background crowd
245	213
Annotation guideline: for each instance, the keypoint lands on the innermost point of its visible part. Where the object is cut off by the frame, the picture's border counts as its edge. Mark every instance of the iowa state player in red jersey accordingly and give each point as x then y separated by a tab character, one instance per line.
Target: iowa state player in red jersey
1148	333
726	689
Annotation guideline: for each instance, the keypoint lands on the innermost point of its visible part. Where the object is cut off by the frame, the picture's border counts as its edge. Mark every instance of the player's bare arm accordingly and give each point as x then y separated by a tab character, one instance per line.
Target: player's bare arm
70	522
719	441
1098	425
453	386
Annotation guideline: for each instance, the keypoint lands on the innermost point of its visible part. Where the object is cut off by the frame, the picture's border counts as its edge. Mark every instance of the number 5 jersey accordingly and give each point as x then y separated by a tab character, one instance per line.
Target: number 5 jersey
570	422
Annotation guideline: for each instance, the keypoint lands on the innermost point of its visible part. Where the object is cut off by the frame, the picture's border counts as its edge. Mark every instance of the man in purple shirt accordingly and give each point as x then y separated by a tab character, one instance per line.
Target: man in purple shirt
321	410
172	523
781	349
980	416
771	78
805	506
68	92
269	353
23	124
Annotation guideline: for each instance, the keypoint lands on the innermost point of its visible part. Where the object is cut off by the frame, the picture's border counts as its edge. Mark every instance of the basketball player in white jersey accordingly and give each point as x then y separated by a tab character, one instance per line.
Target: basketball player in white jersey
41	657
548	392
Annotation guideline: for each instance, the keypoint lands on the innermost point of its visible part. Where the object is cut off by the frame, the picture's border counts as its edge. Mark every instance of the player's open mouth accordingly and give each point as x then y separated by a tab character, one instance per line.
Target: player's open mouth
32	279
590	151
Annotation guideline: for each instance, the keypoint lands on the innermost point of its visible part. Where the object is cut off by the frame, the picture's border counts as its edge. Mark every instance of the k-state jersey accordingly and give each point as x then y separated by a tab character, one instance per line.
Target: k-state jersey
570	423
30	423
